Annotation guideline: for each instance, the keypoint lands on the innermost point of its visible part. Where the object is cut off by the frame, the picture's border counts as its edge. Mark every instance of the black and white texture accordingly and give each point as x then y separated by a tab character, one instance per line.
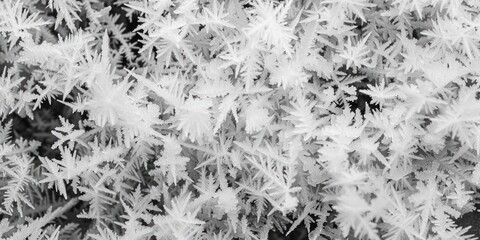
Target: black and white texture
239	119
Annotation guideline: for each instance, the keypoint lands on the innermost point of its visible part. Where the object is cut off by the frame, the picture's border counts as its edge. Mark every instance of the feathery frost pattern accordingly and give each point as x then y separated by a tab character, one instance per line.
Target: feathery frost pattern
239	119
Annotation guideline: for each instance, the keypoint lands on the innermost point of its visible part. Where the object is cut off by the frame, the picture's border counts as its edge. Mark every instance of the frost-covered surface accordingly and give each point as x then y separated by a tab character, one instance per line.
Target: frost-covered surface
212	119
